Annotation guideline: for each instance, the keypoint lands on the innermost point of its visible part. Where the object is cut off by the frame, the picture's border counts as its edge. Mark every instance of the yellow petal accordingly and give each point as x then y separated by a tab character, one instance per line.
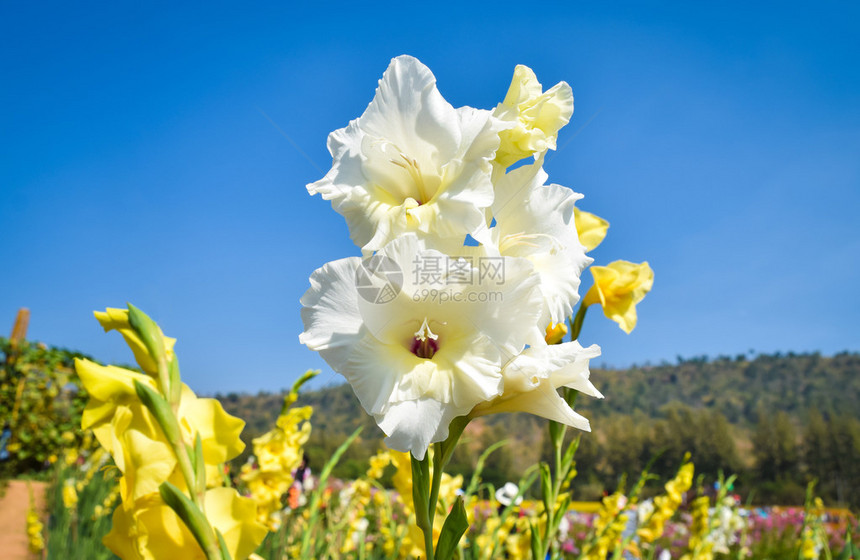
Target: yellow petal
537	117
618	287
108	388
219	432
591	229
236	518
106	383
147	529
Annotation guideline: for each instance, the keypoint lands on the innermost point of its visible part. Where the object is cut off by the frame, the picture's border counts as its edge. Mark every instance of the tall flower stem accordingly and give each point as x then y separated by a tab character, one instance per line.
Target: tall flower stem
425	487
164	406
553	480
576	323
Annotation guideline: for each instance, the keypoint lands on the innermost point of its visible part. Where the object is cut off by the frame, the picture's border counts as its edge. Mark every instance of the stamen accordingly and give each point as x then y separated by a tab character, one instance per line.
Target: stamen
425	344
414	170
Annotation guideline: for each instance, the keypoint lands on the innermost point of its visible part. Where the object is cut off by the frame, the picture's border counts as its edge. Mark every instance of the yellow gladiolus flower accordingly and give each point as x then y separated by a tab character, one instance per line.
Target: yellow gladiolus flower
377	465
147	529
537	116
34	532
278	453
70	496
127	429
666	505
610	523
117	319
618	287
591	229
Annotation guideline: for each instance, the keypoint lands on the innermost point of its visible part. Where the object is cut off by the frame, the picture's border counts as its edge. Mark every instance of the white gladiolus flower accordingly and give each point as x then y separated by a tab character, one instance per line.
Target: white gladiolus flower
430	342
532	378
537	116
536	221
412	163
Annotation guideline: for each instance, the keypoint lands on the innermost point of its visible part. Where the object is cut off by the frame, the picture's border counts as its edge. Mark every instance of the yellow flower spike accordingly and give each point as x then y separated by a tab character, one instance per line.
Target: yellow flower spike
127	429
70	495
618	287
591	229
277	454
377	465
807	547
117	319
537	116
34	532
147	529
555	333
666	505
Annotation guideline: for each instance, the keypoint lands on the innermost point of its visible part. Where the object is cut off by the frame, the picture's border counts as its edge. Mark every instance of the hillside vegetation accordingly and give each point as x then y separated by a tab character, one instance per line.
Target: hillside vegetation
777	421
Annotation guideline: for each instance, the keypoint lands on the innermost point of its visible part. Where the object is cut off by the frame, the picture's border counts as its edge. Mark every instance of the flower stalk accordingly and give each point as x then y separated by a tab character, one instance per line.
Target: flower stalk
425	495
157	430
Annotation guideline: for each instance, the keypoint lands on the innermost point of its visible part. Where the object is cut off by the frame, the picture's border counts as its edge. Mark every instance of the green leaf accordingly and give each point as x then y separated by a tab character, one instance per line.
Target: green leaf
561	511
537	542
222	546
479	466
456	524
316	496
546	486
570	452
849	552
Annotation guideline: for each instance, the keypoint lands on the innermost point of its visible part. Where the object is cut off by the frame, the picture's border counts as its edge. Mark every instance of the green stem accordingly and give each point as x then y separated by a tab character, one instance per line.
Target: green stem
420	499
557	431
436	483
576	323
426	497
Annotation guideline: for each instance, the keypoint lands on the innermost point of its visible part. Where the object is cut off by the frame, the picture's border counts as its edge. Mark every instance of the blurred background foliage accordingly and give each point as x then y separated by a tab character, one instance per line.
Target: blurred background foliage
778	421
40	402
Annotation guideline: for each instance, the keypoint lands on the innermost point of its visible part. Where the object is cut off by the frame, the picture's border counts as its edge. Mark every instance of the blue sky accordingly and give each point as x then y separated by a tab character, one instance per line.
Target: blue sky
139	162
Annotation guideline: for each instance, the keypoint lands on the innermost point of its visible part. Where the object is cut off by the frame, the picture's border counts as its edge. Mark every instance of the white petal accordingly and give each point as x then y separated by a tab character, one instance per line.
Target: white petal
412	426
409	111
374	369
330	312
411	163
536	222
532	380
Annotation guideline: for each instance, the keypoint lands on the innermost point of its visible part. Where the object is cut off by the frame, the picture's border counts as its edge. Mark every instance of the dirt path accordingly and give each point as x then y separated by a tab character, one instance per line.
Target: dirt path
13	518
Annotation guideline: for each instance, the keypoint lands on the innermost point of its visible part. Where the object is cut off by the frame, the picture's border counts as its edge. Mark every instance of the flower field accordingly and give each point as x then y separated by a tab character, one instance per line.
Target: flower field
361	519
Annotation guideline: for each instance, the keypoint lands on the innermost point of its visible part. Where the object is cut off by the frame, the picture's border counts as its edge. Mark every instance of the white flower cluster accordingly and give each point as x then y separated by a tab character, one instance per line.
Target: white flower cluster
466	263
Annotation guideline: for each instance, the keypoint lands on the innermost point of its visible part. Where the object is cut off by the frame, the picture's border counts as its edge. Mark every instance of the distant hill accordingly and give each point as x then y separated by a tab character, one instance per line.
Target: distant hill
776	420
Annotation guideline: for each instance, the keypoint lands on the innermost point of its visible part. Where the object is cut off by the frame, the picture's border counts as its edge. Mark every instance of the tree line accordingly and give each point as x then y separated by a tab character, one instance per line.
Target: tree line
777	421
